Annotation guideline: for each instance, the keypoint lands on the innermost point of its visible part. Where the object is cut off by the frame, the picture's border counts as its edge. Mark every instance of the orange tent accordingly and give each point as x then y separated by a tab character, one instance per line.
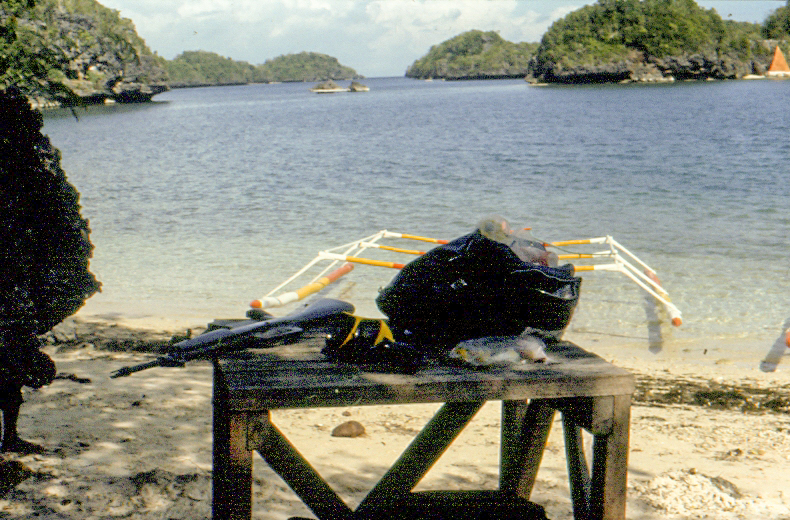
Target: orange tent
779	64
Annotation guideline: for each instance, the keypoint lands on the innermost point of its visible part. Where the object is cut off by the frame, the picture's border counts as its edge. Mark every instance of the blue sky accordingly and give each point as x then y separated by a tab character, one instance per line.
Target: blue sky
375	37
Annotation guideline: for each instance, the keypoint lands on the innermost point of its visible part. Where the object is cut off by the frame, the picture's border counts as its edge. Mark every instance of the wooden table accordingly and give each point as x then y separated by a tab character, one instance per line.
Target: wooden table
590	393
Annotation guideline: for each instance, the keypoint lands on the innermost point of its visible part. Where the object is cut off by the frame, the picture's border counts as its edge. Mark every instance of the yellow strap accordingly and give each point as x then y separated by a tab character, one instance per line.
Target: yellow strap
353	330
384	333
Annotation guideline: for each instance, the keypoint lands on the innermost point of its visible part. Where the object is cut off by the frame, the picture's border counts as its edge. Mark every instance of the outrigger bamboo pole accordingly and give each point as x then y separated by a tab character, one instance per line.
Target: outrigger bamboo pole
271	301
390	248
646	279
355	259
391	234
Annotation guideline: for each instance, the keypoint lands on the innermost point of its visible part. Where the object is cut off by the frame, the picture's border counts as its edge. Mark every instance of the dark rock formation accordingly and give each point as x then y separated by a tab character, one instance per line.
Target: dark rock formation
640	68
44	242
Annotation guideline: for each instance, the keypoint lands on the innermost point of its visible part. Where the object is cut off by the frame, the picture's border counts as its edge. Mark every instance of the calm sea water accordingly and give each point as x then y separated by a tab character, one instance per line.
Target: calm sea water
206	198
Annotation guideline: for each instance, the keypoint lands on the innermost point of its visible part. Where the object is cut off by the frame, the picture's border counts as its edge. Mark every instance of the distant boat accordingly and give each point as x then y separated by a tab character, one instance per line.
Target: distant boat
328	87
779	67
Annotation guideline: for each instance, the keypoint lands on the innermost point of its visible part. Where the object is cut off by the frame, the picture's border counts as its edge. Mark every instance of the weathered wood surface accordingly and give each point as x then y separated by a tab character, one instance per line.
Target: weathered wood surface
589	392
298	376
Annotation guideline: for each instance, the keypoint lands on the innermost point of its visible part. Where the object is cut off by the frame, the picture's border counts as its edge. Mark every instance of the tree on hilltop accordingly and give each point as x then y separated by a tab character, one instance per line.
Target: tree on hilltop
777	25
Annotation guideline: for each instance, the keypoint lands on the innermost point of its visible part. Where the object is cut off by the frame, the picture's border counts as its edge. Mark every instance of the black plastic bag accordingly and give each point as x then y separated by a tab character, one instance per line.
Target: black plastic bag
474	287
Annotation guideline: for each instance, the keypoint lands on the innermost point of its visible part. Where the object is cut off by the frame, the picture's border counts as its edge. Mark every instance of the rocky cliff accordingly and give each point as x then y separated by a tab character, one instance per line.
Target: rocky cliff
641	68
99	55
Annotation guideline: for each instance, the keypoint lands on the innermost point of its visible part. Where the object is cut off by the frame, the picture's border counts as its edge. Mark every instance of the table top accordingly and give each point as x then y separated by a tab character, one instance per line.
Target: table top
299	376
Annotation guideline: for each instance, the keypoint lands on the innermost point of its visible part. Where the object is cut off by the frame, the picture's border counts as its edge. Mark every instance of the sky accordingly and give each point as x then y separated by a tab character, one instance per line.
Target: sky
377	38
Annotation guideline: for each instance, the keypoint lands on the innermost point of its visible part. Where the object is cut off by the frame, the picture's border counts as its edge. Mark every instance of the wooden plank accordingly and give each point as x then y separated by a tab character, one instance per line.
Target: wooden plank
459	505
422	453
232	480
279	382
513	413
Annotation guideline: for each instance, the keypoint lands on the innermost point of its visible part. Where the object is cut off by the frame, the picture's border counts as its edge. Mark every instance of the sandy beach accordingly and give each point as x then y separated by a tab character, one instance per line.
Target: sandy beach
707	440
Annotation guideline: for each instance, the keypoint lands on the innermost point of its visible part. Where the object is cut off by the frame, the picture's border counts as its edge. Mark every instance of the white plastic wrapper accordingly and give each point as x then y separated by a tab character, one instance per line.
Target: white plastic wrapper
501	350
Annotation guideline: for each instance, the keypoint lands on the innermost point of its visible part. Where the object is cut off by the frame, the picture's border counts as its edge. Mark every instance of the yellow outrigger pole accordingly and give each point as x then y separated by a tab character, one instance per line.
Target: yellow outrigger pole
349	253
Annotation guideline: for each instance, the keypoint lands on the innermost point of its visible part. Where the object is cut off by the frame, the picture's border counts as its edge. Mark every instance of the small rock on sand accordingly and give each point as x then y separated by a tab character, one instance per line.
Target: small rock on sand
349	429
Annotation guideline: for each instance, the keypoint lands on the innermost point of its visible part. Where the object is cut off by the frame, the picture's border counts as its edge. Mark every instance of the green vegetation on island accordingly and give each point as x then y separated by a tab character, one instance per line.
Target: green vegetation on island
474	55
78	51
306	66
617	41
622	40
198	68
777	25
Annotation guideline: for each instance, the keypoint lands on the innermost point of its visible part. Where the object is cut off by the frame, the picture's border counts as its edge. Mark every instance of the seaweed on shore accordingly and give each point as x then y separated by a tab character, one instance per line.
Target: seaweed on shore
658	391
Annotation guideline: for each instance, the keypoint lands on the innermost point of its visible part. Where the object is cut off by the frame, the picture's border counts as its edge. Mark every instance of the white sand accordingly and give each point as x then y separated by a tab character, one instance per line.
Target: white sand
140	447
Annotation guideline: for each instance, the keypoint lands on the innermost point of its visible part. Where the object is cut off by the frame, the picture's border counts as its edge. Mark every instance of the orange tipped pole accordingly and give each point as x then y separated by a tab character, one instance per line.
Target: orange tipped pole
571	242
677	321
787	338
302	292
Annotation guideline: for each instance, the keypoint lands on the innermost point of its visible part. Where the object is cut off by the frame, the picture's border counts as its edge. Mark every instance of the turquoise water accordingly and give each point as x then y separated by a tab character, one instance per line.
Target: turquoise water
207	198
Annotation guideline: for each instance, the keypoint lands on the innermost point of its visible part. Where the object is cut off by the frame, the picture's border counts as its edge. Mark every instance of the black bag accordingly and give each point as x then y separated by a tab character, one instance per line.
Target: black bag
474	287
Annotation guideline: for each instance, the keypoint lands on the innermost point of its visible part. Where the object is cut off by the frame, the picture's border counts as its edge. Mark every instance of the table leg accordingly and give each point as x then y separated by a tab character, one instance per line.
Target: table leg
602	495
525	431
232	477
610	464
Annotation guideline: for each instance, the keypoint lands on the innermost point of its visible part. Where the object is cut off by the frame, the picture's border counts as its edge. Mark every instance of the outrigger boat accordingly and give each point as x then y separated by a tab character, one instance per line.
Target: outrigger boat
334	263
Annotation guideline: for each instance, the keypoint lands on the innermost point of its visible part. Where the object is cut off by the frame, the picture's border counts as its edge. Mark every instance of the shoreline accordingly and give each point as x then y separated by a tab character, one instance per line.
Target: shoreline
704	444
673	377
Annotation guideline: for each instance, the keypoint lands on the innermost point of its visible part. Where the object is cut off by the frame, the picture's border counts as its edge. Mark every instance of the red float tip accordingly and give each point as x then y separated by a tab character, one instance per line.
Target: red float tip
677	322
256	304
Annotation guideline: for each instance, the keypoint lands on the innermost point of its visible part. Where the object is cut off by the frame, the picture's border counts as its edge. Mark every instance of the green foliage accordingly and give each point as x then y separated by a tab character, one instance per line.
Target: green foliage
207	68
24	62
610	30
777	25
305	66
474	54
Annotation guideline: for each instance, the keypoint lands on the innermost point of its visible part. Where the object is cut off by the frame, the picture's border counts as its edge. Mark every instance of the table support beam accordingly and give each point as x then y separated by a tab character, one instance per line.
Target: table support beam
422	453
292	467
